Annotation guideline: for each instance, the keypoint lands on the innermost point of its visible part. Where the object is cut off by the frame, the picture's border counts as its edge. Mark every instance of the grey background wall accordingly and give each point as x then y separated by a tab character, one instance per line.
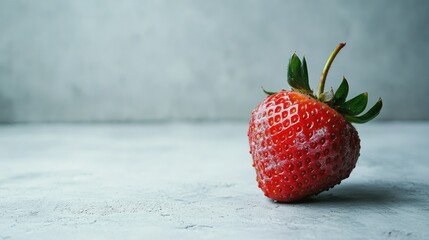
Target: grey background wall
175	60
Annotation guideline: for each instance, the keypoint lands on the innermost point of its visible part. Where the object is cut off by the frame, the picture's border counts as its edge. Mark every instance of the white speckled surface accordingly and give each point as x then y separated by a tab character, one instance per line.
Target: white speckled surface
195	181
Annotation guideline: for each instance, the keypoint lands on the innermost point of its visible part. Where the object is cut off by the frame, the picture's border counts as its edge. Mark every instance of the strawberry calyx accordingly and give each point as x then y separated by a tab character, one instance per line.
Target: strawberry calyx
297	77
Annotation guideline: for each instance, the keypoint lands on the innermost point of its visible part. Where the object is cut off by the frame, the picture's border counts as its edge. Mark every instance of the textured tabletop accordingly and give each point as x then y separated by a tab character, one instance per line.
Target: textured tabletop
195	181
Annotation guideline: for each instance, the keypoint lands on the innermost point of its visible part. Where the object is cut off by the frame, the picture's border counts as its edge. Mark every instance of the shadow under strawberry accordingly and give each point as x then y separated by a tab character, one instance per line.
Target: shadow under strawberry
371	193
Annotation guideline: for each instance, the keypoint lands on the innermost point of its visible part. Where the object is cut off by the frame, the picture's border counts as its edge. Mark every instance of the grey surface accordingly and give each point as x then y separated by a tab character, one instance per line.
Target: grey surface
182	181
138	60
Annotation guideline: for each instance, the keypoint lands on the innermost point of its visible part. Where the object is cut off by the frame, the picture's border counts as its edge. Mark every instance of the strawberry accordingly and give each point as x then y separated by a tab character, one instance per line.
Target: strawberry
302	143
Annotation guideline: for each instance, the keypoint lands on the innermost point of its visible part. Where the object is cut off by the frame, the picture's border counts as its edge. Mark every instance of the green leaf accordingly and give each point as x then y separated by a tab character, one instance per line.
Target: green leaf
297	74
342	92
368	116
355	105
305	73
267	92
294	71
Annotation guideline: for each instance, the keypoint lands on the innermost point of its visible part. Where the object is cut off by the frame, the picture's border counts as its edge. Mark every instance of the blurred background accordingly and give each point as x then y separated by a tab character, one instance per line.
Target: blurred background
132	61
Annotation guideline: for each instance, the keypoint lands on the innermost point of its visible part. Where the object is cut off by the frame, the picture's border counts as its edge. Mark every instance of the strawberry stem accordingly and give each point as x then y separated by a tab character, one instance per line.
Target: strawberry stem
325	71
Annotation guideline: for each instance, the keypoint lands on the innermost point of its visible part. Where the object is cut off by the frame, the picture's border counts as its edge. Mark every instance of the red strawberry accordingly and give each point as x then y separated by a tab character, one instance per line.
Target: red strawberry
303	144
